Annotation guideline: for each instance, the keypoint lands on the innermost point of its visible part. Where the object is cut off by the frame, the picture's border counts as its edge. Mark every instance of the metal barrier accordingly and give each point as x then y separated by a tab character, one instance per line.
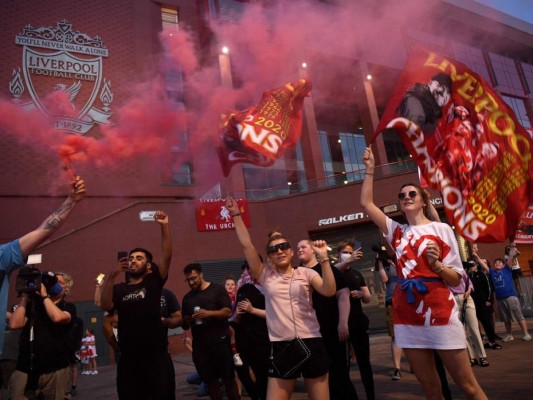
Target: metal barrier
294	188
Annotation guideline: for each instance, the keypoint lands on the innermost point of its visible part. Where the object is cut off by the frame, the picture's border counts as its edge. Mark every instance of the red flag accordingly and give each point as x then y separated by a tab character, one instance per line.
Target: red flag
466	141
260	134
212	215
524	232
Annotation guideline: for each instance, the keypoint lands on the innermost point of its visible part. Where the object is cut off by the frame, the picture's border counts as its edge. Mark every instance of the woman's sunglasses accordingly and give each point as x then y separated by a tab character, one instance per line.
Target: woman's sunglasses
412	194
280	246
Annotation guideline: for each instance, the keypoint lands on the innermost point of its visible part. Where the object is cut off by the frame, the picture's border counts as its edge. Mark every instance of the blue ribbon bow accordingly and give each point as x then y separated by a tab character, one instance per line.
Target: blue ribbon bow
418	283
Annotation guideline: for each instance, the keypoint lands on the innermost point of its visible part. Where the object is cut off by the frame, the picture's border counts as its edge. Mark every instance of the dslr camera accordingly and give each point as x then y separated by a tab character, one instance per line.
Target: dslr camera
381	253
29	280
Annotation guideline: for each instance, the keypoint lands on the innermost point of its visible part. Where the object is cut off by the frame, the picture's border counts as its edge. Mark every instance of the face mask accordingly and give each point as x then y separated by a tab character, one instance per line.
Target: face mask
55	290
345	256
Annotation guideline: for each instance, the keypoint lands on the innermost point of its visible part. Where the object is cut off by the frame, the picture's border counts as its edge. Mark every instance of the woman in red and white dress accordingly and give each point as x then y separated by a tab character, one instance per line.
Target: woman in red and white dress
90	344
426	316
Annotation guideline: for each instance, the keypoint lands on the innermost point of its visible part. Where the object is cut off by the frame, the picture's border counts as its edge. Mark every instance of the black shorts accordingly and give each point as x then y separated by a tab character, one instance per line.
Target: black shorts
214	361
316	365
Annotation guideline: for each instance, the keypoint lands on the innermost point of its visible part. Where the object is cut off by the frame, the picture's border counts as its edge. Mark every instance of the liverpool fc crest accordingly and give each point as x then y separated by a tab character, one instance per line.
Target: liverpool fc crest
60	59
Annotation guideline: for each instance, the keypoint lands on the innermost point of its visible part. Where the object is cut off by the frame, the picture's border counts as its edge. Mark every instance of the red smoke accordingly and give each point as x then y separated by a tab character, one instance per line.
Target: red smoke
267	47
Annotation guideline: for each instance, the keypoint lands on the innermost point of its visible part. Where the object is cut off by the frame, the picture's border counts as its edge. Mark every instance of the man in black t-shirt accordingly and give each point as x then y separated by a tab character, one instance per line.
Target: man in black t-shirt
143	368
358	322
206	309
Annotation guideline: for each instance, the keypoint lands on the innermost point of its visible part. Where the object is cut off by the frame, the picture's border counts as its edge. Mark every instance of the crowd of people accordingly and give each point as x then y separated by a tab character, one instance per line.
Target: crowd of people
294	314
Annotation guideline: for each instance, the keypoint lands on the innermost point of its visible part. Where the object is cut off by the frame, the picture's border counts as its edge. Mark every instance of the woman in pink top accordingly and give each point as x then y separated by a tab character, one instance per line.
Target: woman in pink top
287	291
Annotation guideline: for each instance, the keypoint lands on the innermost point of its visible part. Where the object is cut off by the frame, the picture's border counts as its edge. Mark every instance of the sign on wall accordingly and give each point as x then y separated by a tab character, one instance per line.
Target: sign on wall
61	76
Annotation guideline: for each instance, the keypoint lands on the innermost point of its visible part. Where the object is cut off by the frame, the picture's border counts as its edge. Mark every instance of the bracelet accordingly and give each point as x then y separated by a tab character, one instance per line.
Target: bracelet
438	267
46	297
321	260
235	215
369	173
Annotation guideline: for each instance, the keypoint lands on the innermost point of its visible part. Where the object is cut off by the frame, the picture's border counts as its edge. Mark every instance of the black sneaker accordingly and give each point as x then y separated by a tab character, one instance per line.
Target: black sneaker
483	362
495	346
396	374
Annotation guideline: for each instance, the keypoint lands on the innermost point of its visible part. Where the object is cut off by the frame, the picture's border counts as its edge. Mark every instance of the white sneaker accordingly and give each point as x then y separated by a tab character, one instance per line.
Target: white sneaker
527	337
237	360
95	372
507	338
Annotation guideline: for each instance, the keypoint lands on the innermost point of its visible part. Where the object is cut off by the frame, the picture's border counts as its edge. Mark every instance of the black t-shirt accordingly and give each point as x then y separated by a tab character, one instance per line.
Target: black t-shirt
211	330
139	309
169	305
327	308
51	340
251	328
75	334
355	282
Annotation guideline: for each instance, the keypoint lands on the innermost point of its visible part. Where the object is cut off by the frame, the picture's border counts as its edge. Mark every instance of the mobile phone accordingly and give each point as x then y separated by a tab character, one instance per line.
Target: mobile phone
147	216
357	245
100	279
121	255
34	259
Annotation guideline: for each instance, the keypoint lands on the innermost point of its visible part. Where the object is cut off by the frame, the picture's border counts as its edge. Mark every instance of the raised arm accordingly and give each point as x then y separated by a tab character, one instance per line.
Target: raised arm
106	298
166	240
367	193
480	261
433	215
356	255
250	252
325	284
30	241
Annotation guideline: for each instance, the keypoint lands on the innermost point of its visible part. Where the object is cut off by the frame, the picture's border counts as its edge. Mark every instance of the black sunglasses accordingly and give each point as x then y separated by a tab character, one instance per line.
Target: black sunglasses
412	194
280	246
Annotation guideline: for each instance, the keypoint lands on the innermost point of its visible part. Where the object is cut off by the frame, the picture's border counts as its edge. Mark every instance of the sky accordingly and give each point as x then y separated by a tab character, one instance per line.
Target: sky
521	9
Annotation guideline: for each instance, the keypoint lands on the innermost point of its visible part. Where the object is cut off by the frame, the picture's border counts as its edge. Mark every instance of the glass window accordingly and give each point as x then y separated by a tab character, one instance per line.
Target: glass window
519	108
169	17
472	58
506	75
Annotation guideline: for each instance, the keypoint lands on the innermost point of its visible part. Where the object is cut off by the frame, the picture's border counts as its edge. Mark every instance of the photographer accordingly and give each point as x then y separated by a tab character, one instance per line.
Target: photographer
13	254
45	318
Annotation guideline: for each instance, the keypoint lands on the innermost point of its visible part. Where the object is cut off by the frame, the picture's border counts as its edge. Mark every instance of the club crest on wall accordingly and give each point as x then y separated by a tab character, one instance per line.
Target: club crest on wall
62	76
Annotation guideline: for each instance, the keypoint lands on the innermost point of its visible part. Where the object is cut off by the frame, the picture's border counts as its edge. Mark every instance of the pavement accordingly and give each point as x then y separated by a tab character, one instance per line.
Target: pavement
509	375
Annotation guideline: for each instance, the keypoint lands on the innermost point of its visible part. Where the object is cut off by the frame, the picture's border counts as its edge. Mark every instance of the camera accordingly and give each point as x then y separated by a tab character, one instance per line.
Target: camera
29	280
381	253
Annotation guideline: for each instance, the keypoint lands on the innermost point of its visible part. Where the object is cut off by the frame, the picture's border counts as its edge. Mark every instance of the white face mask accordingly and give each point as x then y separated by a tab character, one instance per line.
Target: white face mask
345	256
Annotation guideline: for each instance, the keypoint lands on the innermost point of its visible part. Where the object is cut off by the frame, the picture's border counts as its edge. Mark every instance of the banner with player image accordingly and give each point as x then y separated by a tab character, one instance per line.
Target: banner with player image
466	141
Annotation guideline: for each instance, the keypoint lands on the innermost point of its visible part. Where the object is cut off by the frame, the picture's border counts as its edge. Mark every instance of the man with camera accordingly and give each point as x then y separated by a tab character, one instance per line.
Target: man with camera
45	317
13	255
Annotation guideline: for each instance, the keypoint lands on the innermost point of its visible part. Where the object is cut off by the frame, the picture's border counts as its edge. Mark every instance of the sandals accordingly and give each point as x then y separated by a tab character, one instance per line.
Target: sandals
473	361
483	362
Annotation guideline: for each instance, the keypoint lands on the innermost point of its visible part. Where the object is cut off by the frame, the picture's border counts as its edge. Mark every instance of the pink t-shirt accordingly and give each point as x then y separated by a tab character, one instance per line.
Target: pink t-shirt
278	305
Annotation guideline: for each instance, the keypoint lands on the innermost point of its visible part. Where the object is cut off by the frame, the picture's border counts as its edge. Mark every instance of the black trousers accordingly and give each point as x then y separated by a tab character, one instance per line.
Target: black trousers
340	385
484	316
361	346
145	377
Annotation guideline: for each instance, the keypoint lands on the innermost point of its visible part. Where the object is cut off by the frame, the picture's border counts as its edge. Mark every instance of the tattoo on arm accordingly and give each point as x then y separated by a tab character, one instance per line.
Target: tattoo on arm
57	217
